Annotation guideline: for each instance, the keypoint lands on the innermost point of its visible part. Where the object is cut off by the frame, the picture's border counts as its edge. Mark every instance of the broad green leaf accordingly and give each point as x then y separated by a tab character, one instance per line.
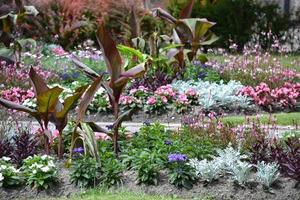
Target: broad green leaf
130	51
202	27
8	54
70	101
37	83
211	38
47	101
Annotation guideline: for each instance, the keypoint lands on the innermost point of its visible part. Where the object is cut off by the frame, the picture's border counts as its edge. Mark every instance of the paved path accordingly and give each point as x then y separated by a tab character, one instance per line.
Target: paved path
133	126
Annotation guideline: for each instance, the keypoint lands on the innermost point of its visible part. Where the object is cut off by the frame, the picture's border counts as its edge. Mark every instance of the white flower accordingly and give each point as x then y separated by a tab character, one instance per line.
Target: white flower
45	169
3	166
44	157
1	177
34	171
6	158
51	163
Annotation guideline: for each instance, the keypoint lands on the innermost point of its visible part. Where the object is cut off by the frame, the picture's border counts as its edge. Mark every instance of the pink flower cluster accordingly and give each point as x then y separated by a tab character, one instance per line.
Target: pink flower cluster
192	96
139	89
17	95
287	95
182	99
59	51
128	100
152	100
167	91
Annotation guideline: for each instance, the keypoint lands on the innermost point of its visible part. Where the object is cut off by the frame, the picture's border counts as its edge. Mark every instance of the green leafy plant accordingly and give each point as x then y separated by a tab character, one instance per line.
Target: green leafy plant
147	164
180	173
40	171
111	169
9	24
49	108
189	33
118	79
9	175
85	171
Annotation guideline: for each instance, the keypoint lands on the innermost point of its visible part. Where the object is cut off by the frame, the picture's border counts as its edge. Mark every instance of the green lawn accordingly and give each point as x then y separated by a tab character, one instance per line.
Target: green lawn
283	119
103	194
124	195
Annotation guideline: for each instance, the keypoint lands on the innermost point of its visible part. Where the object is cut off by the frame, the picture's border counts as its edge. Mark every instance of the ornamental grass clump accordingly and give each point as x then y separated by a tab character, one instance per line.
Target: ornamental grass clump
267	173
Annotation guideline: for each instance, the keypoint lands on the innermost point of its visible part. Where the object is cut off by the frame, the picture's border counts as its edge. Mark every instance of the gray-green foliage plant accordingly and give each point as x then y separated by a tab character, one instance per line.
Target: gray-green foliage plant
206	170
240	172
267	173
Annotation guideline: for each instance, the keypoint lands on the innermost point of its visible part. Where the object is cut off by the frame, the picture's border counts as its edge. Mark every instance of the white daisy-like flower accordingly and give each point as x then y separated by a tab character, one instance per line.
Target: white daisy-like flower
45	169
44	157
3	166
1	177
6	158
34	171
51	163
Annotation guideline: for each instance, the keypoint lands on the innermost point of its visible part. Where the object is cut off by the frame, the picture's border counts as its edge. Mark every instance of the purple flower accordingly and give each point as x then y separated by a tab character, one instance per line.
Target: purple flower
168	142
109	127
78	150
147	123
177	157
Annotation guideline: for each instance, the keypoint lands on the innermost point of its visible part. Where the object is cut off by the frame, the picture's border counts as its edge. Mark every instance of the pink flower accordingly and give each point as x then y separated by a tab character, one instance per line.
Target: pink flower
59	51
55	133
151	100
102	136
164	99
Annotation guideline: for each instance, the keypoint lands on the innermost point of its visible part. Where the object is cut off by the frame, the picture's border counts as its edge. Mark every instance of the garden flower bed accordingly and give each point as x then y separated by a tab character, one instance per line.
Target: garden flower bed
62	107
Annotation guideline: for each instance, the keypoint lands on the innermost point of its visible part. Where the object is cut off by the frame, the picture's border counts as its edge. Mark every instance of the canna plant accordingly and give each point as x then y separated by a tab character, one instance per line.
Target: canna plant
118	78
189	34
49	108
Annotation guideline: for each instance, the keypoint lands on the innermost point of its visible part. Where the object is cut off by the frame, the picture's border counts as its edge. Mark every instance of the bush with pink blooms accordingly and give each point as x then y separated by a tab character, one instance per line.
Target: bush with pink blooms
182	103
285	96
166	91
130	102
17	95
156	104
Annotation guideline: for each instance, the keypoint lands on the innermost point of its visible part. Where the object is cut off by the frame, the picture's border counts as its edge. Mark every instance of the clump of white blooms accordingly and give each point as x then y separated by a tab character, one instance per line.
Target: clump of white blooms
241	172
9	175
40	171
206	170
267	174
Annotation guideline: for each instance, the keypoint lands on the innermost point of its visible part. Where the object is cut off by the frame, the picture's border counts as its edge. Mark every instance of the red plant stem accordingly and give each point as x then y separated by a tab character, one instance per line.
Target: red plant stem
116	129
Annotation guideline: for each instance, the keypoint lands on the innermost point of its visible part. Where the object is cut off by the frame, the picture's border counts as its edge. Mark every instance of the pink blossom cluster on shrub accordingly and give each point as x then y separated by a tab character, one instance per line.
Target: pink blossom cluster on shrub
287	95
17	95
166	91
